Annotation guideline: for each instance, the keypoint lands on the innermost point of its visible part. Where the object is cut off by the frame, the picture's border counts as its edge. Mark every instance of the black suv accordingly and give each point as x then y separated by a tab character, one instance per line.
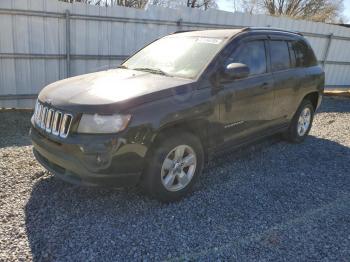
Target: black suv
157	118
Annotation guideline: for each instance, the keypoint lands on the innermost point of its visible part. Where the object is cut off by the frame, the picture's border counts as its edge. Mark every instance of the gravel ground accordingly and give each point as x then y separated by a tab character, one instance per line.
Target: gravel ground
269	201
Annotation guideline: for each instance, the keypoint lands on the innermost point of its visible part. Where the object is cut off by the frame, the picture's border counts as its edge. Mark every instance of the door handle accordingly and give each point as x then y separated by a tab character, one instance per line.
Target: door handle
265	85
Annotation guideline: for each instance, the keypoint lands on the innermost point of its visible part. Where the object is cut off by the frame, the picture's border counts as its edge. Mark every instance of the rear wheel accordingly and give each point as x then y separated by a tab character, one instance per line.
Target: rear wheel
301	123
175	165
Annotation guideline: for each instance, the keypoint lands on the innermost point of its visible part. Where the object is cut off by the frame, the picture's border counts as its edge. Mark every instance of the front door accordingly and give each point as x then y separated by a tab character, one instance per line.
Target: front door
247	104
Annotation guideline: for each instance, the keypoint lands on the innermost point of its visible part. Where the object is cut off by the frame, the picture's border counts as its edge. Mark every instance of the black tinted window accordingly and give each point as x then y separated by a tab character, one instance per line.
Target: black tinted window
280	59
304	56
252	54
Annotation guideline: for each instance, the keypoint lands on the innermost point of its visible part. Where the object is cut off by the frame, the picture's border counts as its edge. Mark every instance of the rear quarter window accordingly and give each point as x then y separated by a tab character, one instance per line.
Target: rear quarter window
304	55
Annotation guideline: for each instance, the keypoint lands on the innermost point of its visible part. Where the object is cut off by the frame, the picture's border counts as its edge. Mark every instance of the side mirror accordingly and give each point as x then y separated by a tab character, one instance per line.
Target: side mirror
236	71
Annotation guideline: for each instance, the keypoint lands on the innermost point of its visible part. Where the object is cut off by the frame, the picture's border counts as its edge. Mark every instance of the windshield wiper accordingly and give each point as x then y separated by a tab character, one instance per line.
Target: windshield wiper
152	70
123	67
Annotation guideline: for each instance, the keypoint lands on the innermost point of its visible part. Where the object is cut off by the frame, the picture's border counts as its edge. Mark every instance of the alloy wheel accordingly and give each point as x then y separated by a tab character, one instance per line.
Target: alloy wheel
304	121
178	168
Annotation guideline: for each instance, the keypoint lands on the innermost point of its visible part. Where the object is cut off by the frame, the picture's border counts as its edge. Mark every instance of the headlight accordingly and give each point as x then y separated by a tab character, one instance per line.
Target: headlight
103	124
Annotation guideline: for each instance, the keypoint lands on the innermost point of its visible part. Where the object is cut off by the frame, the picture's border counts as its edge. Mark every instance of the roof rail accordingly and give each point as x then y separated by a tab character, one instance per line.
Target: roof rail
182	31
271	29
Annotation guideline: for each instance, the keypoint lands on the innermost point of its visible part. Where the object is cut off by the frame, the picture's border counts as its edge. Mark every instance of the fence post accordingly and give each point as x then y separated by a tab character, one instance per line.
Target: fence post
68	43
179	24
327	50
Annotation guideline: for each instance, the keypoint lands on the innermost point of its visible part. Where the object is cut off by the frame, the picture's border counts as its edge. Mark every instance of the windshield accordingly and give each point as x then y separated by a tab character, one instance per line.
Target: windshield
176	55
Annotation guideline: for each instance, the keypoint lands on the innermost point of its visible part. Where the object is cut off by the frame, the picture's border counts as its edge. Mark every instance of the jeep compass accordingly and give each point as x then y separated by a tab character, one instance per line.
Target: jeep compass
157	118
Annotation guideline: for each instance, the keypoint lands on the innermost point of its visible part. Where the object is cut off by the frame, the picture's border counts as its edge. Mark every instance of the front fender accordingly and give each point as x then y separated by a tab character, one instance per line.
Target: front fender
196	112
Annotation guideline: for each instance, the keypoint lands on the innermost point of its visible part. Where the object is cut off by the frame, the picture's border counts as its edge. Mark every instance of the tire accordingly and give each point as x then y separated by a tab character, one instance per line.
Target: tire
161	179
293	133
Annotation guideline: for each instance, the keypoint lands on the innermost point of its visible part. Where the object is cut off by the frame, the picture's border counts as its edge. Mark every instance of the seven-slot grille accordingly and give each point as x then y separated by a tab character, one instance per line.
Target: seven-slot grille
52	121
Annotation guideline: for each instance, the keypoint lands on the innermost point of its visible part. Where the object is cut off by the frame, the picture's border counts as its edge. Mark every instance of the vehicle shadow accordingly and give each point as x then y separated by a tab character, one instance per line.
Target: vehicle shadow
241	194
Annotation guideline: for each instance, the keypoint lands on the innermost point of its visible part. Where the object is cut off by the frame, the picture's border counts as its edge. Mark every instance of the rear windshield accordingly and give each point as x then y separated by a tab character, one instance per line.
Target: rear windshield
177	55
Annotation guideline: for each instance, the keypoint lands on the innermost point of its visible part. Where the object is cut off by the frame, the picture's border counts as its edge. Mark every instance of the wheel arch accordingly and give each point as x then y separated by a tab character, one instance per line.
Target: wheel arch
313	97
196	127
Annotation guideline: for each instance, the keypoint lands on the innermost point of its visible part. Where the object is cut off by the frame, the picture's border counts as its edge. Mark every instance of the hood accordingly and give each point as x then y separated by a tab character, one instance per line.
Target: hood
117	88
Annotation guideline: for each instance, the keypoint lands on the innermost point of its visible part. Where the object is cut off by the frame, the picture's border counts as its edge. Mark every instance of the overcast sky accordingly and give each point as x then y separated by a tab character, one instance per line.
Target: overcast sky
347	9
228	5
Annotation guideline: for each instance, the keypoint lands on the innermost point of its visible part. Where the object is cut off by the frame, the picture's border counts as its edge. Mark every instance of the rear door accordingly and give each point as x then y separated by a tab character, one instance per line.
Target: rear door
247	103
305	66
287	79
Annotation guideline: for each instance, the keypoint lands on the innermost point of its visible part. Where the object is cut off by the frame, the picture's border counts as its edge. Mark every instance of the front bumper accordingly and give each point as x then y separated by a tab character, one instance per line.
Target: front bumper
93	160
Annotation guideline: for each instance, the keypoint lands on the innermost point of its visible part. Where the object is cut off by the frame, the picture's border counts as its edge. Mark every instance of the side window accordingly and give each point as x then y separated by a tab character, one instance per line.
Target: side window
304	56
253	54
280	59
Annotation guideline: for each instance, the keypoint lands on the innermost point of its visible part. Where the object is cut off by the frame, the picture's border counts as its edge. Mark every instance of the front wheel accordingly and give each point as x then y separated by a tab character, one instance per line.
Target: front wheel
175	165
301	123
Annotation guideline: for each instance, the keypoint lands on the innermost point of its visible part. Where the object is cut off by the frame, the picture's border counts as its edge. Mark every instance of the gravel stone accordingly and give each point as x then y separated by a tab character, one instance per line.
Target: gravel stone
269	201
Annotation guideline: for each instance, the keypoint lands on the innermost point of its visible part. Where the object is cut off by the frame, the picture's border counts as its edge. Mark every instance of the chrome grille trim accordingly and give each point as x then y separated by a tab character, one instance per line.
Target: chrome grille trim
43	117
52	121
65	125
36	110
38	114
49	120
56	123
